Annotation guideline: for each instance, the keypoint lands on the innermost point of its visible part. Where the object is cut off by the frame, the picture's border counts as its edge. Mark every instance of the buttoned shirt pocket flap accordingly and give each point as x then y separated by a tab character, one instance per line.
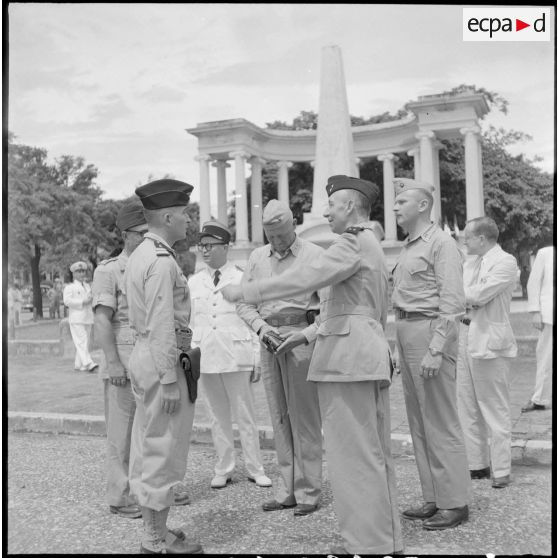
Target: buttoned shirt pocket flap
500	336
338	325
417	266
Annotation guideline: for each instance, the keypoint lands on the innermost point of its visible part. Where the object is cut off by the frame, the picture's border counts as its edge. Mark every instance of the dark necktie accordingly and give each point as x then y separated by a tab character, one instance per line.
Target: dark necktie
216	277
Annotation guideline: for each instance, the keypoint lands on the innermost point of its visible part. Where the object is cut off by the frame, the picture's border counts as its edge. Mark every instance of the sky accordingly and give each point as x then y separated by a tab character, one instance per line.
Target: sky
118	84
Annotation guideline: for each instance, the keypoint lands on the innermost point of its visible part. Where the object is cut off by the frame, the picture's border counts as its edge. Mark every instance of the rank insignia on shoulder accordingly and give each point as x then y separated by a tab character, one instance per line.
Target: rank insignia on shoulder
161	249
354	230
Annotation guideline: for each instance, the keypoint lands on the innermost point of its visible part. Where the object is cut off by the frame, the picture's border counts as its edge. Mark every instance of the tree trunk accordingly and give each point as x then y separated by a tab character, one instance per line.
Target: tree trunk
36	282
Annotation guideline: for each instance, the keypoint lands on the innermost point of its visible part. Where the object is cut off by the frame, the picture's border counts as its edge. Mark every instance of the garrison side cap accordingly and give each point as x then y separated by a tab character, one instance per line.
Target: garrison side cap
401	185
342	182
166	192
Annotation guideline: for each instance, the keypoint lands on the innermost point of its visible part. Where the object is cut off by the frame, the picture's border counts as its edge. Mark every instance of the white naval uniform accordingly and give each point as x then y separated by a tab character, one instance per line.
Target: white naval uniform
229	351
80	318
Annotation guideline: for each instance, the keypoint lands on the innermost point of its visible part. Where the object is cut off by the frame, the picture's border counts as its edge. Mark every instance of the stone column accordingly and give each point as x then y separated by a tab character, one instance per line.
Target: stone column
437	208
205	200
358	160
429	168
222	167
256	199
283	181
240	202
415	154
473	173
390	225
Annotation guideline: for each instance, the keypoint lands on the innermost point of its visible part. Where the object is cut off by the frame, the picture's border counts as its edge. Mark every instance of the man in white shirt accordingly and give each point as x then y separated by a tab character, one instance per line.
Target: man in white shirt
229	355
540	293
486	345
78	298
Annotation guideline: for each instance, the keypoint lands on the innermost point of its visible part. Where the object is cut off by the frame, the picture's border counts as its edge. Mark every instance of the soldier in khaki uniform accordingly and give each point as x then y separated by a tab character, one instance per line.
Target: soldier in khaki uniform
350	366
293	401
159	312
112	331
428	300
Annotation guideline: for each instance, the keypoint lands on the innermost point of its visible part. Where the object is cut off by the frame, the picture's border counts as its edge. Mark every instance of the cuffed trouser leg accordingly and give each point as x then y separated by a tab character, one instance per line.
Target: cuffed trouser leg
433	420
355	418
163	450
80	336
475	431
543	380
295	417
492	386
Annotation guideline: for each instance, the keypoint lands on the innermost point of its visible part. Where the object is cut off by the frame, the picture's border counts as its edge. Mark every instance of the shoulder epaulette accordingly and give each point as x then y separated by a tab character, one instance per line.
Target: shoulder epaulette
108	260
161	250
354	230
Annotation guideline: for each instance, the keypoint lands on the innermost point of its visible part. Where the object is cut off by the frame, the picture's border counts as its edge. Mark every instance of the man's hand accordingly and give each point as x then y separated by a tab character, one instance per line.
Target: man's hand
395	360
536	320
117	373
256	373
430	365
292	340
170	399
232	293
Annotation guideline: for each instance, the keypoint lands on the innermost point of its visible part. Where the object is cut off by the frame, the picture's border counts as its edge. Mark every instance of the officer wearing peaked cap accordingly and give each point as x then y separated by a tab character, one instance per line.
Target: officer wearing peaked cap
292	400
350	365
428	300
229	351
159	313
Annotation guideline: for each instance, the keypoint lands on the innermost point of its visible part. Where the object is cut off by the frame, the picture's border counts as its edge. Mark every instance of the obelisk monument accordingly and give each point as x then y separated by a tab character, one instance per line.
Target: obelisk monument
334	141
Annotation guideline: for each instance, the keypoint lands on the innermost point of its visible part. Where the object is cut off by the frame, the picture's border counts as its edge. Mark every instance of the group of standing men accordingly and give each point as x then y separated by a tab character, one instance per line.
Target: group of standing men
330	373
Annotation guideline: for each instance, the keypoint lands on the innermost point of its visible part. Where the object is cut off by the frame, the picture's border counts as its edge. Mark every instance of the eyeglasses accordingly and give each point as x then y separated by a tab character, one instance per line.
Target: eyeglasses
209	246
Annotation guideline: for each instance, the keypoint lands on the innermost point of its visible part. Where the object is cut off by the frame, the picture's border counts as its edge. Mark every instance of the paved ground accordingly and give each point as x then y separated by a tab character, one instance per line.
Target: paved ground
55	504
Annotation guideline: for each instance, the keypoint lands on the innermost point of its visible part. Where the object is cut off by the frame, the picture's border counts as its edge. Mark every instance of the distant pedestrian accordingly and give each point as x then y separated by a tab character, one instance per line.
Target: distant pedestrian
55	298
77	297
486	345
540	289
15	300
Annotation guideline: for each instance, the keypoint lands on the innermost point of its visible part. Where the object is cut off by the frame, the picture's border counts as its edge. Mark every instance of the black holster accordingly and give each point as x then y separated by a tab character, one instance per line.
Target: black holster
190	362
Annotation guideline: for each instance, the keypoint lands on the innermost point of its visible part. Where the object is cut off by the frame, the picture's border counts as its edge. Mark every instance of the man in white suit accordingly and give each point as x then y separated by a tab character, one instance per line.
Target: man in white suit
486	344
540	293
229	353
78	298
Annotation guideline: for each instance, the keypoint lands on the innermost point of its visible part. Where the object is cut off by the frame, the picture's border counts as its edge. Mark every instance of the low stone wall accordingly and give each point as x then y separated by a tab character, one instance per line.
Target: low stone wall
52	347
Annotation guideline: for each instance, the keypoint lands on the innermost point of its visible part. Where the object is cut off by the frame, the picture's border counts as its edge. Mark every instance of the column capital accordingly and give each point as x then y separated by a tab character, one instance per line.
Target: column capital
239	154
428	134
286	164
386	157
470	130
202	157
257	161
220	163
415	152
312	163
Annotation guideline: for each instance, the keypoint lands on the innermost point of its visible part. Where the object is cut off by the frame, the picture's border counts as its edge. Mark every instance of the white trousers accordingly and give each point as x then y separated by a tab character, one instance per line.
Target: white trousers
81	335
543	381
483	401
229	398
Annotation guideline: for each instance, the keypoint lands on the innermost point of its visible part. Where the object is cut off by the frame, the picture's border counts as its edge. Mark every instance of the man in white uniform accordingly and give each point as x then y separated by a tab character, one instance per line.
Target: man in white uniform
540	293
78	298
229	355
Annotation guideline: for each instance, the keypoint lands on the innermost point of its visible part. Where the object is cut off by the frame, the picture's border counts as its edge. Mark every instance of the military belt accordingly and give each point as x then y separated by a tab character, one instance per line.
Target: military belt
344	309
286	319
404	315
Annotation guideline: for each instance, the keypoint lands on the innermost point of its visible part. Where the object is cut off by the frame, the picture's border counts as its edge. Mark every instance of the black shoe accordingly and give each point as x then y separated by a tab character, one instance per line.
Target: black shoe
532	407
305	509
500	482
480	473
130	512
274	505
446	519
424	512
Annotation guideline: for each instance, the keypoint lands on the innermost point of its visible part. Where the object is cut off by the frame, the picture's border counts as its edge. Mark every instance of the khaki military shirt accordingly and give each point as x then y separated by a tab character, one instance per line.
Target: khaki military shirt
108	290
159	301
264	263
428	278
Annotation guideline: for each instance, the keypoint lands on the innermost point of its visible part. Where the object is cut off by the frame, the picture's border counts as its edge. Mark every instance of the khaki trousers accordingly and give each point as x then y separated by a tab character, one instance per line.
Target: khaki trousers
159	462
543	381
356	422
433	420
232	391
81	336
295	417
483	390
